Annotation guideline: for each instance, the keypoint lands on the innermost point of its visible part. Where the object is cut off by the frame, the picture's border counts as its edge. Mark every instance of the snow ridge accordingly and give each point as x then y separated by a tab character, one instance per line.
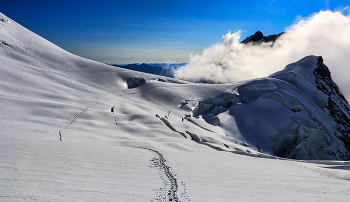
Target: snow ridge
296	113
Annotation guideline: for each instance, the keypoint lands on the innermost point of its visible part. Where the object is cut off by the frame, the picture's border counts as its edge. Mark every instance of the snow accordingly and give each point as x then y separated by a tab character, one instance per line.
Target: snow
61	140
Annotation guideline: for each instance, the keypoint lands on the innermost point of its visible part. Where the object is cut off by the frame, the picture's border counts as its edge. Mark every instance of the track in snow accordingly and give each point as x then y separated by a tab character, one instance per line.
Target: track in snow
86	108
76	116
171	187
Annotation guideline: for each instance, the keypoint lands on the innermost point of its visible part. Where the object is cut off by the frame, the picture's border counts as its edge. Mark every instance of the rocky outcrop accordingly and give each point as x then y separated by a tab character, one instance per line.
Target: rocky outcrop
336	106
258	38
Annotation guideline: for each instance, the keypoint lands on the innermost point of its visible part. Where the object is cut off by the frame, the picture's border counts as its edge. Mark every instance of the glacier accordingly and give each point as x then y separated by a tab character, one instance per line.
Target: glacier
288	114
73	129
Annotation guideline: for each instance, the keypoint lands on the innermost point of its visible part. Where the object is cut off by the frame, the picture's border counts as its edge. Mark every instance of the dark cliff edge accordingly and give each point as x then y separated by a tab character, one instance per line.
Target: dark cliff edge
337	106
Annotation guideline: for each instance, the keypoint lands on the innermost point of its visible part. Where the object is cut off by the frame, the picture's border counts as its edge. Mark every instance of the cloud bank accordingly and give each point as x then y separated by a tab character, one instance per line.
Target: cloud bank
326	33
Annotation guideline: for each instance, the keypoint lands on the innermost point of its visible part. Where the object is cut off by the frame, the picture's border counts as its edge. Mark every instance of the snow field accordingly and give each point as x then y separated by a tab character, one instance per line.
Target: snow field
60	140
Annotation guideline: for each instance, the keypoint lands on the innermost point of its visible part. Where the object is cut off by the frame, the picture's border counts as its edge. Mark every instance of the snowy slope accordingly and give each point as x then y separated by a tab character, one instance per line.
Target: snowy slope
77	130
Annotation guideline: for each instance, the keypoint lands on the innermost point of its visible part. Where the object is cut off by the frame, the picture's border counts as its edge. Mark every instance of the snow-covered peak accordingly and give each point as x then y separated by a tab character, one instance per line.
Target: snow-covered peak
298	112
304	66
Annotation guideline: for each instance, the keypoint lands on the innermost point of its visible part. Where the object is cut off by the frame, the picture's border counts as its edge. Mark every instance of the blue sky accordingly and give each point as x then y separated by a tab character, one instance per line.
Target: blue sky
129	31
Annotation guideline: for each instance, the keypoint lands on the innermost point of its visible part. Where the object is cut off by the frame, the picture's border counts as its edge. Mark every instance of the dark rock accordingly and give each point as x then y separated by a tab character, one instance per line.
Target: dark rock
134	82
4	43
337	106
258	38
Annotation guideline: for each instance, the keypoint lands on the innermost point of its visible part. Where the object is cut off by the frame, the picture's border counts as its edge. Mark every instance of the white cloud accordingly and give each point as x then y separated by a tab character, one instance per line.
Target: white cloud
325	33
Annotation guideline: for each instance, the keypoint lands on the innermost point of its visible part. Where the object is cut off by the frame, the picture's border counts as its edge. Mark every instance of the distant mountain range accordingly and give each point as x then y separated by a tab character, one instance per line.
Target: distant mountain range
164	69
259	37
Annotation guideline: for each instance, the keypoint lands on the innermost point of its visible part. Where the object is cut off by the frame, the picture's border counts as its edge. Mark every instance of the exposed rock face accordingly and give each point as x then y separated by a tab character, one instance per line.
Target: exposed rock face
258	37
337	106
134	82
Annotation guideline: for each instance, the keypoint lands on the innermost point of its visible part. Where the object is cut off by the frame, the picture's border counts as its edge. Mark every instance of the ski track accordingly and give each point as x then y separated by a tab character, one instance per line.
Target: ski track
170	182
85	109
122	95
165	122
76	116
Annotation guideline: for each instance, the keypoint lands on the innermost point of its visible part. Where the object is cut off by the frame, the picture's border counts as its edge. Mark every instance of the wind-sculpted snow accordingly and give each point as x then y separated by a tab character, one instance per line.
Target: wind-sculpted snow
69	128
289	114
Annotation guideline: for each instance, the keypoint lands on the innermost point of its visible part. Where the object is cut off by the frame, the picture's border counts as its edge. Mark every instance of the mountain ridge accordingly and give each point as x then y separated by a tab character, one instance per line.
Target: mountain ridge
148	69
258	37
